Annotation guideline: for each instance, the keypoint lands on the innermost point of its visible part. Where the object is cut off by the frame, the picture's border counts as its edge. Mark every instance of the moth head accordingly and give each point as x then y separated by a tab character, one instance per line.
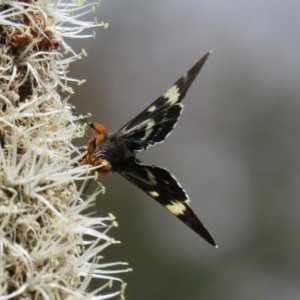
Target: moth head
100	133
97	138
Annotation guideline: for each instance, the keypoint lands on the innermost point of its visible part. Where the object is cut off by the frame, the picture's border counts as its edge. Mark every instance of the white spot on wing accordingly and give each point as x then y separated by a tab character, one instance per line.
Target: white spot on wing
172	94
149	128
151	108
177	208
153	194
151	178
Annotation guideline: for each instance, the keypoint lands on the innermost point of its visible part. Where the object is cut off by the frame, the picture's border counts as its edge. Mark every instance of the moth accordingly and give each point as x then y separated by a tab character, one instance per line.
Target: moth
116	152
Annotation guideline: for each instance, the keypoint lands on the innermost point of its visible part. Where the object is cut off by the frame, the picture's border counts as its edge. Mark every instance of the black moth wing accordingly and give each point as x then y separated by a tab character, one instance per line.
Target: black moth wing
156	122
162	186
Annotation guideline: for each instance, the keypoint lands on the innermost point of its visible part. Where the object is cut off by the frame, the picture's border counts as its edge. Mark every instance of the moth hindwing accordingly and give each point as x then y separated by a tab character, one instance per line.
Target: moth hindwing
117	151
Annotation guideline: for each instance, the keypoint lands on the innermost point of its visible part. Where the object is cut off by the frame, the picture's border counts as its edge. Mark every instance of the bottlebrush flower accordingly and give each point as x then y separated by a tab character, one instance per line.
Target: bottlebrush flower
48	248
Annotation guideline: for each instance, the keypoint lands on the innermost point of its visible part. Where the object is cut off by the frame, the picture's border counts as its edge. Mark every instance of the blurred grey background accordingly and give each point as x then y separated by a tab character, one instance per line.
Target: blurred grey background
235	150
